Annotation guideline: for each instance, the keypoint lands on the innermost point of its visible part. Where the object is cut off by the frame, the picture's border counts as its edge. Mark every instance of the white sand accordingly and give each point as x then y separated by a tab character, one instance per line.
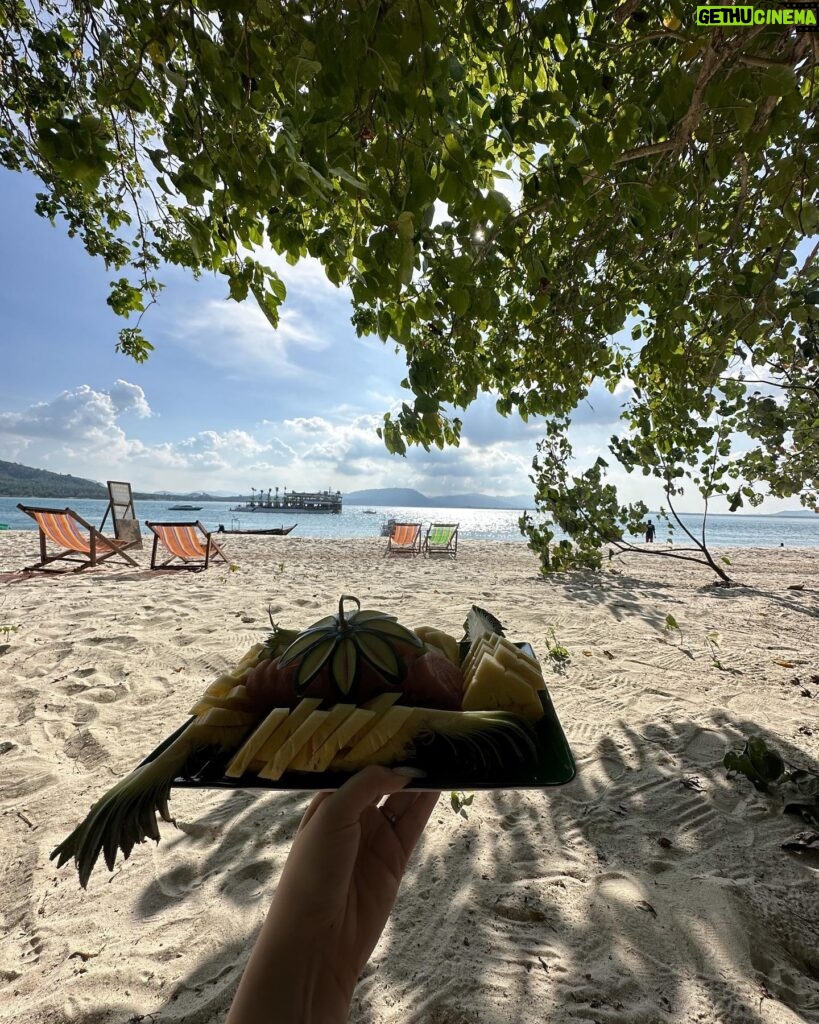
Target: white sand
625	896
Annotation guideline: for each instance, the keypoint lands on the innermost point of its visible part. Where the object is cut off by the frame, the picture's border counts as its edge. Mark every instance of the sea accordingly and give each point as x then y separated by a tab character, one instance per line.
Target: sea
738	531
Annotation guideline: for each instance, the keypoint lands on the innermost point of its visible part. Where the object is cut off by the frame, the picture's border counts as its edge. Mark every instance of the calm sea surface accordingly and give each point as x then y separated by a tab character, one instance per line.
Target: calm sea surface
475	523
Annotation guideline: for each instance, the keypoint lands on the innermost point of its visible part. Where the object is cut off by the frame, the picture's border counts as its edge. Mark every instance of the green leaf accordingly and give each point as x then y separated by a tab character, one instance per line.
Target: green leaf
459	298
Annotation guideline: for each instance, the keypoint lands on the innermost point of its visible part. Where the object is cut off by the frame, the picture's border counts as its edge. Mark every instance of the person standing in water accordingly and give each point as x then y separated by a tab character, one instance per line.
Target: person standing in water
650	532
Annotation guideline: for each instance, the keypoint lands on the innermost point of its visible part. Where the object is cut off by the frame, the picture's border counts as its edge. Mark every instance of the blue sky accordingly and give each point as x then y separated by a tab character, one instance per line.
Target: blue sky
226	403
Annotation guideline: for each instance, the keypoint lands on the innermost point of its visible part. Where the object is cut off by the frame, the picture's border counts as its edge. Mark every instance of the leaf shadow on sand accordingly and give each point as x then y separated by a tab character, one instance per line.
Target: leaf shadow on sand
651	889
578	904
806	604
624	596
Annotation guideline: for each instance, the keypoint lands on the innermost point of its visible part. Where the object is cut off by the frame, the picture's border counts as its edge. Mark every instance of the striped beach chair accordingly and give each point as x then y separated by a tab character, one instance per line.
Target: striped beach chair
404	539
191	543
78	540
442	539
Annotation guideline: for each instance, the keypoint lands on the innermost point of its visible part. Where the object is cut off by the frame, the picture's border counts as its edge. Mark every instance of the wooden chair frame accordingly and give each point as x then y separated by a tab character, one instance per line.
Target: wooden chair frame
449	548
96	550
210	548
402	542
123	513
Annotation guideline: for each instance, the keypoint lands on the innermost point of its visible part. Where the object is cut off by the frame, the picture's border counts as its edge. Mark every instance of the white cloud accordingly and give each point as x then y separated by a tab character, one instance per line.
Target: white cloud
307	425
238	339
83	431
82	415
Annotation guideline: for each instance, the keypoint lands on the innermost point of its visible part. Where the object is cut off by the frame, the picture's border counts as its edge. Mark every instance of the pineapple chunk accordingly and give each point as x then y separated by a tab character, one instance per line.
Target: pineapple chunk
346	733
305	707
393	748
243	758
521	665
227	716
441	641
223	684
335	717
277	765
236	700
381	732
494	688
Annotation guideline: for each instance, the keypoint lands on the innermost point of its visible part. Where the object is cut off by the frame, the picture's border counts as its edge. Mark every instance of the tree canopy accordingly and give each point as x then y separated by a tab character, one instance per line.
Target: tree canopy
503	186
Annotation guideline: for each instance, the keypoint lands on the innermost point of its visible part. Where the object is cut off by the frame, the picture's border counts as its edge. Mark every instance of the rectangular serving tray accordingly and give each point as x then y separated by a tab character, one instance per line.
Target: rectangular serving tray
555	766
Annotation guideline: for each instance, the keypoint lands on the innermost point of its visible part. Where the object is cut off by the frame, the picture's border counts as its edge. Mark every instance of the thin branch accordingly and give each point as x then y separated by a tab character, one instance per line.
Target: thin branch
625	11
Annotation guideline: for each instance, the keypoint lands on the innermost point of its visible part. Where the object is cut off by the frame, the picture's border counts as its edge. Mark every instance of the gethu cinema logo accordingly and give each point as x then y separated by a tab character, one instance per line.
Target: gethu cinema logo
804	18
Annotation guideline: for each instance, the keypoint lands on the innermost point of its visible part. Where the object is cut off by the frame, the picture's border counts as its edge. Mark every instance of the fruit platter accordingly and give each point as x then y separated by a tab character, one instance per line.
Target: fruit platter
306	709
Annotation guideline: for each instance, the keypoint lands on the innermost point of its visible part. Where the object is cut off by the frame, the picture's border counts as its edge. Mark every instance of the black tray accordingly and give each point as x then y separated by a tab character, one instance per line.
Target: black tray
553	766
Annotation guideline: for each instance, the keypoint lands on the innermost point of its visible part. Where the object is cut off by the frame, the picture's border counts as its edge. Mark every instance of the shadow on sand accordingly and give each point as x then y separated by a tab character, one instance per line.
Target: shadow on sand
569	904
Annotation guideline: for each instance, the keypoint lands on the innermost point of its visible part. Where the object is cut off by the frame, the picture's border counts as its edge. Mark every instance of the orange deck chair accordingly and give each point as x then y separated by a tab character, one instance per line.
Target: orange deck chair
80	541
404	539
190	542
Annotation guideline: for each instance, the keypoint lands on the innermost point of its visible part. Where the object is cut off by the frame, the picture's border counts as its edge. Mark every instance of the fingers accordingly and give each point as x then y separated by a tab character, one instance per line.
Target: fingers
315	803
412	821
345	806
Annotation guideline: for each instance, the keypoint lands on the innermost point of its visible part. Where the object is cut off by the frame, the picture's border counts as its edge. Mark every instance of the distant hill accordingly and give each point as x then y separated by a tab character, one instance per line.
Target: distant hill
409	498
17	480
796	513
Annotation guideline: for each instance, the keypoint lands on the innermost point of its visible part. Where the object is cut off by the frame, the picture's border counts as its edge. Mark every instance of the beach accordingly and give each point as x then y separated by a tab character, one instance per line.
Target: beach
651	888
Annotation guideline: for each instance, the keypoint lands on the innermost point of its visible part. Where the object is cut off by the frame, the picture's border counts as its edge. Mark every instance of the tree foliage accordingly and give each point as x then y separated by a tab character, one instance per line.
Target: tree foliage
662	179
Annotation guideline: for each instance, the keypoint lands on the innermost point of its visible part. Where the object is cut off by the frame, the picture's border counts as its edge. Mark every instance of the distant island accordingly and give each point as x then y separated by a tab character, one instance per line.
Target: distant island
17	480
408	498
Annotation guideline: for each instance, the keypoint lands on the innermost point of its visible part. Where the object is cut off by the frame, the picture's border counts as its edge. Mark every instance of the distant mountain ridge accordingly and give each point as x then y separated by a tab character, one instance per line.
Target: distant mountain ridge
407	497
16	479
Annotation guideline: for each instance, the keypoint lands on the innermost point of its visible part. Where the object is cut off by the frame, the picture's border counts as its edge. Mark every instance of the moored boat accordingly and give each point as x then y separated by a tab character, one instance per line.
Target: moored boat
274	531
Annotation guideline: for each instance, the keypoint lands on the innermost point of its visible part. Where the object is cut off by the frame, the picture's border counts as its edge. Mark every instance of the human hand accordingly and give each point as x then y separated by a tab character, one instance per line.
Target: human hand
334	897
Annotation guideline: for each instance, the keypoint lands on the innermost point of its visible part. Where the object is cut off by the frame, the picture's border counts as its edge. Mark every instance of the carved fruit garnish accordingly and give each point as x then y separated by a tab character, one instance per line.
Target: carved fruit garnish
344	640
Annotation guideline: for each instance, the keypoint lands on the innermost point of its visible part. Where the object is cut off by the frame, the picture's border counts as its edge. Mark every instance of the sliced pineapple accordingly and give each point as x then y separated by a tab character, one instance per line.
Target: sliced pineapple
493	687
261	734
379	734
346	733
510	656
269	748
277	765
235	700
514	660
441	641
335	718
393	749
223	684
227	716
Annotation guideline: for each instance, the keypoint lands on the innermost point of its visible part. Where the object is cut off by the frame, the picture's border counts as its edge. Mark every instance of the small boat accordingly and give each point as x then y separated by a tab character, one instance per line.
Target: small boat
276	531
369	512
185	508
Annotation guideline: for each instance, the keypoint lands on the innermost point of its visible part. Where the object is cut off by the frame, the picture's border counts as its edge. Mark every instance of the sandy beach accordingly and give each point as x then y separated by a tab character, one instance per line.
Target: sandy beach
652	888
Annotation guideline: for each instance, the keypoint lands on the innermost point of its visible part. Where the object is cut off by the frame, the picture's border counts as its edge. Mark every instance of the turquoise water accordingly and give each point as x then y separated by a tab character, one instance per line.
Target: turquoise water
475	523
